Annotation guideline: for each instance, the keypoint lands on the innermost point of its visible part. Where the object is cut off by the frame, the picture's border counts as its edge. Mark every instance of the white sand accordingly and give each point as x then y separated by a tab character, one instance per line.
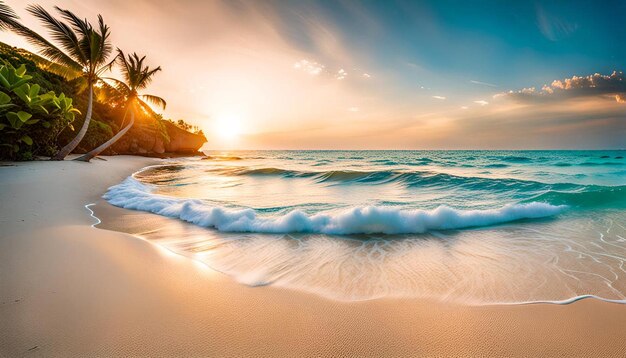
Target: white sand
67	289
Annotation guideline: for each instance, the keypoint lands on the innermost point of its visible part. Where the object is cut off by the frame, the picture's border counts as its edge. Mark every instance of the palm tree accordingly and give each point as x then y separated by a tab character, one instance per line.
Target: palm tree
137	77
81	53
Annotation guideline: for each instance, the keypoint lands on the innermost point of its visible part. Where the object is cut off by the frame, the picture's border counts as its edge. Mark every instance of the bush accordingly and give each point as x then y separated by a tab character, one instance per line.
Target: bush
30	120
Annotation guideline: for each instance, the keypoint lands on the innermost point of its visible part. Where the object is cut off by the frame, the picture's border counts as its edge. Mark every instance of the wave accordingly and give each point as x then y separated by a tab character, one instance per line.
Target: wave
131	194
515	159
591	196
407	178
222	157
576	195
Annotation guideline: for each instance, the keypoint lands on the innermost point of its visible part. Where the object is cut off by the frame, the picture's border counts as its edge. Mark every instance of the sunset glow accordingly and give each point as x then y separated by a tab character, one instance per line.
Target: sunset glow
357	75
306	178
228	127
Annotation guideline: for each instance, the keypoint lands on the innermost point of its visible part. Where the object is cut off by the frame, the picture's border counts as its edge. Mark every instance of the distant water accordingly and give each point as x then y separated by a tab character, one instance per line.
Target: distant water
467	226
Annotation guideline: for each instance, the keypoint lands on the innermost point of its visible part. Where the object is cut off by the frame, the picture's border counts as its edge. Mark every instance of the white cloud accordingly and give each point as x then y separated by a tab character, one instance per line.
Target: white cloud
341	74
367	75
353	109
482	102
439	97
310	67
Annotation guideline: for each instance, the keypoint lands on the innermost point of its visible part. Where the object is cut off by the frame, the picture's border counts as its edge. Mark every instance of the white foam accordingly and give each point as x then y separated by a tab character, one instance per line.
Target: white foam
131	194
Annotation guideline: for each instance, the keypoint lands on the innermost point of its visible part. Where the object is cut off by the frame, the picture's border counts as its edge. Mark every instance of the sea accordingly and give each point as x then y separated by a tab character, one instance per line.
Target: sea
472	227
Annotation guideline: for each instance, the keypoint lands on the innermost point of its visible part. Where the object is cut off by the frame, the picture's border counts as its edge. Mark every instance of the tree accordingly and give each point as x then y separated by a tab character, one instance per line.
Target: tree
137	77
81	53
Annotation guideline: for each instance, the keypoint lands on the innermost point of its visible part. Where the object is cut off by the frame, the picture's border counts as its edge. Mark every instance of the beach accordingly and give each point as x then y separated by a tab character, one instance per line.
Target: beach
69	289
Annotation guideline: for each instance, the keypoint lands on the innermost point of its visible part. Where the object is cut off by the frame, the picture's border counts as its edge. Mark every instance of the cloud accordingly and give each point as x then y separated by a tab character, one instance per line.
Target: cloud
483	83
553	27
482	102
613	85
367	75
310	67
439	97
341	74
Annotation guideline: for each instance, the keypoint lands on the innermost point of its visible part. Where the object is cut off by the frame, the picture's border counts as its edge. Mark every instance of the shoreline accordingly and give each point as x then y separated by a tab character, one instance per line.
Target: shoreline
76	290
109	217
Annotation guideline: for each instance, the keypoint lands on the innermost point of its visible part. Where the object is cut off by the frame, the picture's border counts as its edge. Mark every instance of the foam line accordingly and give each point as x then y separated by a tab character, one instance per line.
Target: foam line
131	194
92	214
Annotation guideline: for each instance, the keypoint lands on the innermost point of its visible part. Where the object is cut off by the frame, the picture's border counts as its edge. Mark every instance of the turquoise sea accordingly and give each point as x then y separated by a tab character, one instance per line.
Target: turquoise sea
474	227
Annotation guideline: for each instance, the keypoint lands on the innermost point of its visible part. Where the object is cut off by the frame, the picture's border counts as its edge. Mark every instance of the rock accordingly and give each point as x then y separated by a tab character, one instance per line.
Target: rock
182	141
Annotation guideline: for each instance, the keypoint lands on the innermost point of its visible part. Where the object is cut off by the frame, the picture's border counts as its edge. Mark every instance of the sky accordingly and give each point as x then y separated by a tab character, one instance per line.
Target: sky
379	74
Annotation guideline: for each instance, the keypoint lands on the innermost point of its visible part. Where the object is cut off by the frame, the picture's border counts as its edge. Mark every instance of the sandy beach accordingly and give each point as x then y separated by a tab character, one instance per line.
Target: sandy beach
69	289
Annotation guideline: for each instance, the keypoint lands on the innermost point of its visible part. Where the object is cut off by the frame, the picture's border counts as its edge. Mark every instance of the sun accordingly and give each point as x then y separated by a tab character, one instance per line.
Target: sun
228	127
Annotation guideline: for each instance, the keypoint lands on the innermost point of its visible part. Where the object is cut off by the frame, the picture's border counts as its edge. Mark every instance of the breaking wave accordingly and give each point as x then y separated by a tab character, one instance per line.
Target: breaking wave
131	194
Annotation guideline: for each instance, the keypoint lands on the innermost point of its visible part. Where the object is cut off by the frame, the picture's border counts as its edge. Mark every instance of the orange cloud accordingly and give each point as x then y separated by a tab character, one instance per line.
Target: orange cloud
576	86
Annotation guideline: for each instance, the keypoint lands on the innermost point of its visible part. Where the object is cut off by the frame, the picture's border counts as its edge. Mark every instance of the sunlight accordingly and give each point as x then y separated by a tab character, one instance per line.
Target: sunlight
228	126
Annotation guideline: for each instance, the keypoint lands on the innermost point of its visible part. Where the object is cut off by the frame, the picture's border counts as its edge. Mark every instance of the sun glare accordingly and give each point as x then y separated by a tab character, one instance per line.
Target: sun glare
228	127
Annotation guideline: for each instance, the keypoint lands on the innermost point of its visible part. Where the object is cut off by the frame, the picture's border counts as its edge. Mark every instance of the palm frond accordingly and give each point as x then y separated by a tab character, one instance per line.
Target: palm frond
146	108
116	93
105	45
46	49
94	43
60	32
64	71
147	76
119	86
106	67
156	100
7	16
81	26
121	61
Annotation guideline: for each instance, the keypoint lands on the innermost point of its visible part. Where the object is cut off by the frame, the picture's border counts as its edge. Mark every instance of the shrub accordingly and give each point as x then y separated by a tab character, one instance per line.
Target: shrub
30	121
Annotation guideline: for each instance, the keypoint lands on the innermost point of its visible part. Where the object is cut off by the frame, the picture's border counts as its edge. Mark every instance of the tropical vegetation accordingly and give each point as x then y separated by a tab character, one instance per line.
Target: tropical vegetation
65	88
137	76
27	113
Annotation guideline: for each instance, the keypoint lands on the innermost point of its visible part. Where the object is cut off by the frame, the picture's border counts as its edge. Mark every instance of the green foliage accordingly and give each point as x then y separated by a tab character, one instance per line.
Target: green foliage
11	78
48	136
97	133
25	113
186	126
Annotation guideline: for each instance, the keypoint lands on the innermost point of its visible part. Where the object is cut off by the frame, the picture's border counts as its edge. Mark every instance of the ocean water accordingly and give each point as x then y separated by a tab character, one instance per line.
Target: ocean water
475	227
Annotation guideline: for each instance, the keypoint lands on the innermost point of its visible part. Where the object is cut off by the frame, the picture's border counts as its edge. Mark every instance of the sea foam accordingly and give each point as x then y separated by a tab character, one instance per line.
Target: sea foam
132	194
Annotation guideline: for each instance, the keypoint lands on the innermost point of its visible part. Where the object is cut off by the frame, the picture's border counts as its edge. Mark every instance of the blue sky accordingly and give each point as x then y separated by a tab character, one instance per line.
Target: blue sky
512	44
380	74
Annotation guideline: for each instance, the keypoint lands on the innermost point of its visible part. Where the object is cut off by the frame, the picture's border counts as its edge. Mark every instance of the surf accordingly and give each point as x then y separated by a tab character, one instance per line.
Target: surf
131	194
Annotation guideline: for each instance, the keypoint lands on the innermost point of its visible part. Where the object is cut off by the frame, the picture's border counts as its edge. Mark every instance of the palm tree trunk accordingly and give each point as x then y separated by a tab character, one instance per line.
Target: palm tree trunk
88	156
69	147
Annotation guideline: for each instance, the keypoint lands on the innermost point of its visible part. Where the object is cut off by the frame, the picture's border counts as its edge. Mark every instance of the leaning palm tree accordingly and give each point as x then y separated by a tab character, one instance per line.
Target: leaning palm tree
81	53
137	76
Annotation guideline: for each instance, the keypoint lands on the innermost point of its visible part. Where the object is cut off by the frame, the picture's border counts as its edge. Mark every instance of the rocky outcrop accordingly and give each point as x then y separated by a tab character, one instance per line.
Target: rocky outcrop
158	137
